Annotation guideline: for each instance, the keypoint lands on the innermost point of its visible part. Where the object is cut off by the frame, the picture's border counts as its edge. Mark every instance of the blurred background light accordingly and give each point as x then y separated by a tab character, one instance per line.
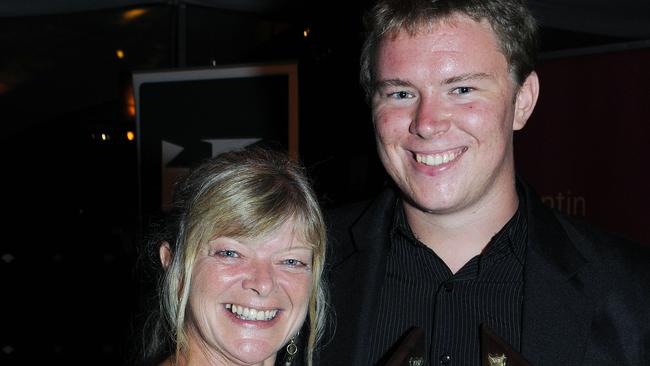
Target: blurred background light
133	14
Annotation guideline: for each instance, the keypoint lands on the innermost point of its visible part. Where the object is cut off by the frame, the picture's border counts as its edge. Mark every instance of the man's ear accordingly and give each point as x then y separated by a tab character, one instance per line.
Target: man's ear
165	254
525	101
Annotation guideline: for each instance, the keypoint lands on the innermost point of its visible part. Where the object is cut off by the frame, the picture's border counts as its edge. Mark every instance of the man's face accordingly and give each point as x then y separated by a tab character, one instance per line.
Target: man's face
444	111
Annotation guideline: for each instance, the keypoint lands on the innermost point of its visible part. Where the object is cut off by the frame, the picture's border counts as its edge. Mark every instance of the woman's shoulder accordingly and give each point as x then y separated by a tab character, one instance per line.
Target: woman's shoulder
167	362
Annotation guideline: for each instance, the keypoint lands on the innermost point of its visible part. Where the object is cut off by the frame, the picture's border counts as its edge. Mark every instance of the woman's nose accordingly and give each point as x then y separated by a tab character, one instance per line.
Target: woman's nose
261	278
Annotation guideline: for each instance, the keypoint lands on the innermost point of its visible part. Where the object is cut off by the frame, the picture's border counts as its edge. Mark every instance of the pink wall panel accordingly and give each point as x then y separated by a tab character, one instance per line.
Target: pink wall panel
586	148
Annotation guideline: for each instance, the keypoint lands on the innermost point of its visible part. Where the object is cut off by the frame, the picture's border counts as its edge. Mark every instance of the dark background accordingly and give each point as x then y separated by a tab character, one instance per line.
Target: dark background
70	289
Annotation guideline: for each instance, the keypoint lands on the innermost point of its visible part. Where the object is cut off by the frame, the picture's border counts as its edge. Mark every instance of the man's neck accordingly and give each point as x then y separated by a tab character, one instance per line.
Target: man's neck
457	237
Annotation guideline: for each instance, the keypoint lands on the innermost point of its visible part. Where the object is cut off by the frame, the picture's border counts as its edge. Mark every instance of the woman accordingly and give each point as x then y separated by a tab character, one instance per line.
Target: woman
243	252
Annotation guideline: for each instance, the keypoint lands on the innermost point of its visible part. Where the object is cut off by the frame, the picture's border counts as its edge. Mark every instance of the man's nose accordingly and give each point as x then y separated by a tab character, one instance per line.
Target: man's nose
432	117
261	278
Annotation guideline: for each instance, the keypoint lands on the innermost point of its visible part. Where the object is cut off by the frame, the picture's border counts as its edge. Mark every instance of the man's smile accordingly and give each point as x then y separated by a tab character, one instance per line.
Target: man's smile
439	158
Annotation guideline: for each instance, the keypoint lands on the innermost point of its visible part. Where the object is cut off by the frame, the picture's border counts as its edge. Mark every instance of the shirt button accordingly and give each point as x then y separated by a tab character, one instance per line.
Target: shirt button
445	359
448	286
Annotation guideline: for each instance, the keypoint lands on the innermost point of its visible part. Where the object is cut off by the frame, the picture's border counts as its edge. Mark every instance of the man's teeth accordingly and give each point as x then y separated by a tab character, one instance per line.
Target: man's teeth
251	314
436	159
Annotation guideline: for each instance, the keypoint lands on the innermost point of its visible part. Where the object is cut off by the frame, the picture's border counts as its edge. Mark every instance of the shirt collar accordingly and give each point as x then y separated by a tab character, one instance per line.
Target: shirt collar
511	238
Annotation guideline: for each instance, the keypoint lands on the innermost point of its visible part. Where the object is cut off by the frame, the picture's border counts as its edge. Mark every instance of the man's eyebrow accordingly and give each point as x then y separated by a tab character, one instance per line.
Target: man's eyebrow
467	77
392	83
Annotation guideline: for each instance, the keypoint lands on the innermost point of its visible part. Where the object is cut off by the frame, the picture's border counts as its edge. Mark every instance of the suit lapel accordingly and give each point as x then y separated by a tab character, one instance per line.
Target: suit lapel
556	312
358	278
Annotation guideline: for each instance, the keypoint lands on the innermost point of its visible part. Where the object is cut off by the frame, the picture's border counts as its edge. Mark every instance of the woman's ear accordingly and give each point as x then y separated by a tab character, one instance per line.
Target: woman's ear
525	101
165	254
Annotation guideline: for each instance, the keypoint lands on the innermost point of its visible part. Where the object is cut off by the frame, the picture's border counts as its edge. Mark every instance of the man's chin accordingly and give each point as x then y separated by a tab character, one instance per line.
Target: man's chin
427	205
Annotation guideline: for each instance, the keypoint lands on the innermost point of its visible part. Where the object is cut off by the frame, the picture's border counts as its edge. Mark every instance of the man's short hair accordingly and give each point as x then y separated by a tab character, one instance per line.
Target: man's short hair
513	24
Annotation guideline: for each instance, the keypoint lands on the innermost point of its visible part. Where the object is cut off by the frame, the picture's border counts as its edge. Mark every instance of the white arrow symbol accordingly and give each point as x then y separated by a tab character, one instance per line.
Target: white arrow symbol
223	145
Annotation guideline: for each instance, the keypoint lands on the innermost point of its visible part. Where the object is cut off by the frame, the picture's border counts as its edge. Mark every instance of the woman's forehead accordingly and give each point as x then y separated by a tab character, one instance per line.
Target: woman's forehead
289	235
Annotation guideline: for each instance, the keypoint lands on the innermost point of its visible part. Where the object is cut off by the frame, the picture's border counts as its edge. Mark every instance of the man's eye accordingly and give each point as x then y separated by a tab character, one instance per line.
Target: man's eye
462	90
227	253
400	95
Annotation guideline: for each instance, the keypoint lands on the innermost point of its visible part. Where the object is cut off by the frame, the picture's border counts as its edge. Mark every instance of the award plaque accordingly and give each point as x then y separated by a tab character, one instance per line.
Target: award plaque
495	351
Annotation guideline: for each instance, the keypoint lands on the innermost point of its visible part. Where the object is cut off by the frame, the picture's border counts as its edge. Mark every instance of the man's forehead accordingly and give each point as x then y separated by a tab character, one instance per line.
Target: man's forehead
447	33
450	41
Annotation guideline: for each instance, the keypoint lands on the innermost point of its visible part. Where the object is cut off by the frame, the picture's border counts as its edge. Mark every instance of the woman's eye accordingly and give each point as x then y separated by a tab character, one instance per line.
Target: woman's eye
462	90
400	95
227	253
293	262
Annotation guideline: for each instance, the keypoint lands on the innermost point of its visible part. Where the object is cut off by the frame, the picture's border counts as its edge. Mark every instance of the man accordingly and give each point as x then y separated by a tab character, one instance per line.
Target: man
459	242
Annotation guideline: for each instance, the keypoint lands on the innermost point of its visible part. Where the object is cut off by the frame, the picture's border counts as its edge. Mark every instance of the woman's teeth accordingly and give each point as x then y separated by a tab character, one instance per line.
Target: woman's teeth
252	314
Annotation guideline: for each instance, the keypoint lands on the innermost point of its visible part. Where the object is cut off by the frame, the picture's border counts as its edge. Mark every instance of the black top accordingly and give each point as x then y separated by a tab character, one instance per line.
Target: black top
586	292
420	290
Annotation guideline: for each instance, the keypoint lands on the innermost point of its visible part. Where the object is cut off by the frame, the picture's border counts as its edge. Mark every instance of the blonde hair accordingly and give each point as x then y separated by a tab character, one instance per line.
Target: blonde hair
248	193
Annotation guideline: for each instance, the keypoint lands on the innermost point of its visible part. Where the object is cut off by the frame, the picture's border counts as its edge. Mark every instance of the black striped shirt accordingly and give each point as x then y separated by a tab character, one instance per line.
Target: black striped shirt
420	290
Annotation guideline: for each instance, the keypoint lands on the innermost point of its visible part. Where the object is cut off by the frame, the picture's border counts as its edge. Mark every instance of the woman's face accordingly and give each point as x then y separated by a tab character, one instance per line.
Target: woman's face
248	297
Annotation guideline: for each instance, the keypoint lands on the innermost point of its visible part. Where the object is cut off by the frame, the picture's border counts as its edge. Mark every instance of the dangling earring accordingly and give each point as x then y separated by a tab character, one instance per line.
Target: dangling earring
292	349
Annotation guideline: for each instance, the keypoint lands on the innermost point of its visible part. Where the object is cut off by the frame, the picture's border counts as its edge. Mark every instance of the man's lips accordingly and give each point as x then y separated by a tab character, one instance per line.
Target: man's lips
439	158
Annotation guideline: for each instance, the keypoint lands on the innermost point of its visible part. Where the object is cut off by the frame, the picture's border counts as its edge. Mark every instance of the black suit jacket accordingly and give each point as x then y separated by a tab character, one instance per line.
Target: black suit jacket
586	293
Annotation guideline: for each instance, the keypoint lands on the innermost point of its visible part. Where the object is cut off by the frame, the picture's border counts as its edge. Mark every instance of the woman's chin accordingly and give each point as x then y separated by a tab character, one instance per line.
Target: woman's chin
255	351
